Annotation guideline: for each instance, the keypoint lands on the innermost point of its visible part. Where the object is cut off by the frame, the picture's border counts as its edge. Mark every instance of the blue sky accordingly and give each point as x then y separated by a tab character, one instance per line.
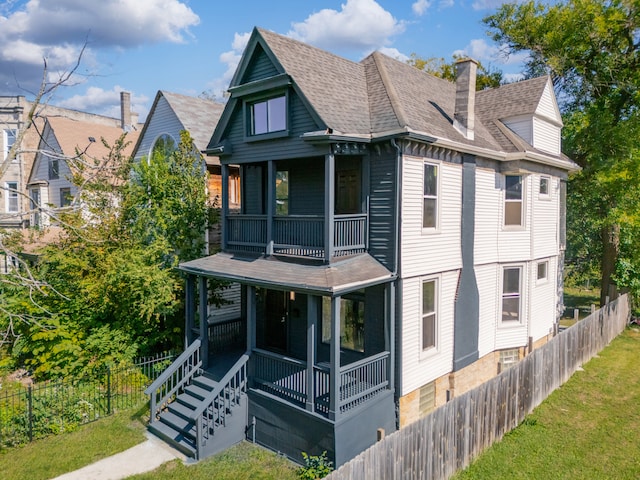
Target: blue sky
188	47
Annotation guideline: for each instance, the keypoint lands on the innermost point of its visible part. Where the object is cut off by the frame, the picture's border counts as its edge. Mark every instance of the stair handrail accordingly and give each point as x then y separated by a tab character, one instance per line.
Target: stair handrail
196	415
189	362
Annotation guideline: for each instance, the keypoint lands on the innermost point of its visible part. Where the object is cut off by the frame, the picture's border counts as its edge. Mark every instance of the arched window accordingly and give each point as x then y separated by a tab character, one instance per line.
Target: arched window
164	145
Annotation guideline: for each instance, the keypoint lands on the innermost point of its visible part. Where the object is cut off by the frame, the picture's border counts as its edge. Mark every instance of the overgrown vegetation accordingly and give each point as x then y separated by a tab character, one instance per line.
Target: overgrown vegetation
106	289
588	428
315	466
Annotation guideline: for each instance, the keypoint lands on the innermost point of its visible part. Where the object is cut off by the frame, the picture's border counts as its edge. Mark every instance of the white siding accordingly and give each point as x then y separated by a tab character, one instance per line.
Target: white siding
521	126
546	209
543	299
231	310
417	367
422	251
513	335
162	120
546	136
487	277
548	106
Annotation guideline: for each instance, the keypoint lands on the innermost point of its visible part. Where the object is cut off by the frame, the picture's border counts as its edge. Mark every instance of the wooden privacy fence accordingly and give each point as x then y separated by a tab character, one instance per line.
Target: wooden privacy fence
438	445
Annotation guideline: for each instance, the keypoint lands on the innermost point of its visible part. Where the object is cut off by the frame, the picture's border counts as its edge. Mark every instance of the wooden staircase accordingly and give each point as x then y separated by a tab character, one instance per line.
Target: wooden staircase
195	414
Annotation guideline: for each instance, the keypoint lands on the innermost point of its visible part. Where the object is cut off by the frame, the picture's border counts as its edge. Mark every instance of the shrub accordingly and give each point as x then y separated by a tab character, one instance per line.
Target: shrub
315	466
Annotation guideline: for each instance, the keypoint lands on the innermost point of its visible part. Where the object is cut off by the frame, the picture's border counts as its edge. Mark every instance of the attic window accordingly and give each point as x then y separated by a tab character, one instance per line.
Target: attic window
268	116
163	146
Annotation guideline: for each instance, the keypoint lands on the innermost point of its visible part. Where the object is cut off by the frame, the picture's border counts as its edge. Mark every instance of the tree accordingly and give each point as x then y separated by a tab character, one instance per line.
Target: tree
592	51
109	285
486	77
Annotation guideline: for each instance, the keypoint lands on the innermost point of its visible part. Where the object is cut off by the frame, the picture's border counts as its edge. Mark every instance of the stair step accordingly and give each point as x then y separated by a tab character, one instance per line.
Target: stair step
205	382
177	422
175	438
181	409
197	391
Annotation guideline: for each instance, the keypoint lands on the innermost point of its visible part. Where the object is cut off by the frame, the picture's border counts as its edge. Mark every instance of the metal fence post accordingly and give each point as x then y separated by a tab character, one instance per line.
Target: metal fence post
108	390
30	393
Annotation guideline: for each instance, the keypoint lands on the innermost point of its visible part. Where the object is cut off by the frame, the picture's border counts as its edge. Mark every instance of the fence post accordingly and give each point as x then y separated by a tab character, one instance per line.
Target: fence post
30	393
108	390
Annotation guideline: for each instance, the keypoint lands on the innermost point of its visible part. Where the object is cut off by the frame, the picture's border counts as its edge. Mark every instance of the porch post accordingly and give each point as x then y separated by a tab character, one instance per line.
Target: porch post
271	200
329	205
334	373
189	310
204	323
312	315
224	211
251	317
389	334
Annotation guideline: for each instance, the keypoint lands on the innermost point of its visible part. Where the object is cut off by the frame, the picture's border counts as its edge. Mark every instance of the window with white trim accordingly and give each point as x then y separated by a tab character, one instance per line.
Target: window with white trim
268	116
65	197
429	323
54	169
542	269
8	139
511	294
545	183
11	189
513	200
163	146
430	196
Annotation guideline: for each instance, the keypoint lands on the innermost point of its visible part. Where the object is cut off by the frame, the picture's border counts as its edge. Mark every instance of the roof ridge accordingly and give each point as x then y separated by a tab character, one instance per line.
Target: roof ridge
390	89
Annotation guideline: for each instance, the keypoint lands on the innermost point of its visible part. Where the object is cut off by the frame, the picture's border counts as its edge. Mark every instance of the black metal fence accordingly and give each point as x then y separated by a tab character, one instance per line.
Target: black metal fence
32	411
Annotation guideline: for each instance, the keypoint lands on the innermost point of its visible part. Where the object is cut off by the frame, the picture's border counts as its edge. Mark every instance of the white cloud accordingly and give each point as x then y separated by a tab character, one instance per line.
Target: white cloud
361	25
57	29
420	7
445	4
105	102
394	53
480	50
231	58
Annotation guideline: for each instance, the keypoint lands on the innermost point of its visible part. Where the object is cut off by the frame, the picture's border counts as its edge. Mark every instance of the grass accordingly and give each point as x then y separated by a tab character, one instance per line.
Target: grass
243	461
58	454
588	428
580	298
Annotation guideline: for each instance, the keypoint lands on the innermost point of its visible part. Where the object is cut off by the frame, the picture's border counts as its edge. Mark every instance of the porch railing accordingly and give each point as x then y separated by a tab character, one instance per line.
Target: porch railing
227	335
297	235
286	378
282	376
173	379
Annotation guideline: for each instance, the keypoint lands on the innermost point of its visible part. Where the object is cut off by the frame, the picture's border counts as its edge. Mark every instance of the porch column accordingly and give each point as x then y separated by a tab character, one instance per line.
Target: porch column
204	322
389	331
224	211
189	309
271	201
312	315
329	204
334	373
251	317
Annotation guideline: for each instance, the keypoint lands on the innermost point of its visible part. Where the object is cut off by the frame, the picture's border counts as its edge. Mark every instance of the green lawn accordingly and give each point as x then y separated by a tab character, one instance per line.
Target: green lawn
587	429
243	462
58	454
580	298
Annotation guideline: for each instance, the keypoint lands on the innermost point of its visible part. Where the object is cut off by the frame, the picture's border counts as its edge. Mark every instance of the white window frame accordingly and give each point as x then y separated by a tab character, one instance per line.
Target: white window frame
7	145
512	295
507	201
12	196
547	195
163	136
545	278
431	196
429	350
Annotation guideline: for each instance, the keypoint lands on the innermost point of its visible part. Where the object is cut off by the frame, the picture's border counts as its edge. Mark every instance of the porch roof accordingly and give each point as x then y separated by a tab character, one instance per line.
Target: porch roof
339	277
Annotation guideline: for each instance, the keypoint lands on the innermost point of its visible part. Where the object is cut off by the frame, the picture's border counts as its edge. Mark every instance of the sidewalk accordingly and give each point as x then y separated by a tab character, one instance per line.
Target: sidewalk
144	457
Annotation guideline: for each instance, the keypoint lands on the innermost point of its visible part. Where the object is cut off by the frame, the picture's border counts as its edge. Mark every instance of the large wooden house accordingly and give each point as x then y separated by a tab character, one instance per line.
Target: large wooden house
400	240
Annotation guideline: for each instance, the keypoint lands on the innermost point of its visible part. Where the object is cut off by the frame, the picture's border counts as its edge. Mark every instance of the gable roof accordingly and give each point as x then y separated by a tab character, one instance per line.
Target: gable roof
380	97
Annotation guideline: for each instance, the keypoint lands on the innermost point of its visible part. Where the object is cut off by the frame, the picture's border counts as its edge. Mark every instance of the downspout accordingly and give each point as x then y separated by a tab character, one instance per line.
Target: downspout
396	269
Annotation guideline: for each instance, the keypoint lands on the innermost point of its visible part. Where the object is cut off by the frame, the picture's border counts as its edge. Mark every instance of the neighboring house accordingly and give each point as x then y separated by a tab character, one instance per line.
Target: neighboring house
15	203
172	113
400	241
67	145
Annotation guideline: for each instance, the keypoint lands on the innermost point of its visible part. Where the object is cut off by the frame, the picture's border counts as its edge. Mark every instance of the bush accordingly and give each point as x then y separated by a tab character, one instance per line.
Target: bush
315	466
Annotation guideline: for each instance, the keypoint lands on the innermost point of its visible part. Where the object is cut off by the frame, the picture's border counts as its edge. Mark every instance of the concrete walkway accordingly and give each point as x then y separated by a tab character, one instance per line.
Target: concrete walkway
142	458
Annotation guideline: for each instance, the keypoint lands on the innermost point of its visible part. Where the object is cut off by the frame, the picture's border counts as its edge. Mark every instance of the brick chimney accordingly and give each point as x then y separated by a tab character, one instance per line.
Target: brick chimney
463	117
125	111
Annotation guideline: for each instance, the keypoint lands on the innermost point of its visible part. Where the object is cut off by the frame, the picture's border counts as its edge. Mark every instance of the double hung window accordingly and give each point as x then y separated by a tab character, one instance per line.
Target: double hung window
513	200
430	196
511	294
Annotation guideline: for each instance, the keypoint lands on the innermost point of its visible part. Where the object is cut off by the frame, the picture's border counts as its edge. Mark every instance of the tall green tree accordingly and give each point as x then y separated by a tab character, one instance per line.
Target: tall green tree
108	285
438	67
591	48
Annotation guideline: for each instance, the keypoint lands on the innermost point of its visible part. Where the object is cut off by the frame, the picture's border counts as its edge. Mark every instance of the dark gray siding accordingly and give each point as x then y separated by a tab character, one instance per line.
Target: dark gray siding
382	209
291	146
306	186
260	67
252	193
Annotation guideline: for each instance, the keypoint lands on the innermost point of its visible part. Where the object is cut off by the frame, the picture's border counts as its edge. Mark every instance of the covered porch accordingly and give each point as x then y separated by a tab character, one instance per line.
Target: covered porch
320	342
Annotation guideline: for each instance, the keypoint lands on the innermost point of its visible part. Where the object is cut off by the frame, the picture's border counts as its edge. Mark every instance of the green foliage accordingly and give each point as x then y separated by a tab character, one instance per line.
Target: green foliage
315	466
438	67
107	289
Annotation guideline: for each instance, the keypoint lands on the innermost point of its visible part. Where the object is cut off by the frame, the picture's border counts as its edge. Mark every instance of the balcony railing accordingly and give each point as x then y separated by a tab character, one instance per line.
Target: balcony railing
286	378
296	235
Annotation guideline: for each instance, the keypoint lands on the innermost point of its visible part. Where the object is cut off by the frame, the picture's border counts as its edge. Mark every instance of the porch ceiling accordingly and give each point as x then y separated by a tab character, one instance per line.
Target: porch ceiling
338	277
